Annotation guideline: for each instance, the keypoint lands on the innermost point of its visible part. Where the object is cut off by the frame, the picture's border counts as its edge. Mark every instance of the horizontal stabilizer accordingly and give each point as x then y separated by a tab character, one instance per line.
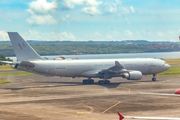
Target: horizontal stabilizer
7	62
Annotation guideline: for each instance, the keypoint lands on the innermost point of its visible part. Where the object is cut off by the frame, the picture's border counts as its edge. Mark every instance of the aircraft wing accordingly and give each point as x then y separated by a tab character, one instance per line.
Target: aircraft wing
117	68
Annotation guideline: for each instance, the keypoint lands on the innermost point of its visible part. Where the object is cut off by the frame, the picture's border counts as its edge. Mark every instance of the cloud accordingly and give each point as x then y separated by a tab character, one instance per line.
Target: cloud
117	7
49	36
97	34
69	4
128	33
65	18
89	6
42	7
91	10
127	21
160	34
3	35
132	9
124	10
41	20
39	11
109	37
66	36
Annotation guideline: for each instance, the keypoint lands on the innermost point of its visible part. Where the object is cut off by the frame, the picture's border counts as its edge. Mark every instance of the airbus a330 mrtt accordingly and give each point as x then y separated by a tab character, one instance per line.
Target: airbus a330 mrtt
132	69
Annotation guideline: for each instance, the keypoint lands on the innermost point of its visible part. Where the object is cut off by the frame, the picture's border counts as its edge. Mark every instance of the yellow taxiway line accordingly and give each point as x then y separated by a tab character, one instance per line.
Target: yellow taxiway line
111	107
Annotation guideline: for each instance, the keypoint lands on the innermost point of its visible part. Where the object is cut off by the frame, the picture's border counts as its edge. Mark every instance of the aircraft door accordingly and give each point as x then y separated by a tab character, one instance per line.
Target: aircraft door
150	68
51	68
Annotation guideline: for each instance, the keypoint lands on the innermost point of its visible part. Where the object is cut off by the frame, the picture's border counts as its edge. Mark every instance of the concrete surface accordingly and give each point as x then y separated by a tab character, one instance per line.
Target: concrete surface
37	97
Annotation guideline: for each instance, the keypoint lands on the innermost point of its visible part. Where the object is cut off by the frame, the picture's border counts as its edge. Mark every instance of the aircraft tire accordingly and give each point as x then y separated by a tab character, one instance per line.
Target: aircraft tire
85	81
100	82
91	81
106	82
153	79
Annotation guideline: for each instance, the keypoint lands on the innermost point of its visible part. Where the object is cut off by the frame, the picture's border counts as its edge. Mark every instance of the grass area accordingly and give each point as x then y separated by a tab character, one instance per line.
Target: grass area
172	61
16	74
2	81
8	67
173	70
5	67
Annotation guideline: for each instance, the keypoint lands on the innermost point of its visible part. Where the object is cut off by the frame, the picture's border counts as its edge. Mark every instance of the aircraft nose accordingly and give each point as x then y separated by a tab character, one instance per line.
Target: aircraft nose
167	66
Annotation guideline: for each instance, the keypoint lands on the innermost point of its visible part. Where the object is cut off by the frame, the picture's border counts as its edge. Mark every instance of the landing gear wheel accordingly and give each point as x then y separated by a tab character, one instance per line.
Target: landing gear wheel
153	79
85	81
106	82
88	81
103	82
100	82
91	81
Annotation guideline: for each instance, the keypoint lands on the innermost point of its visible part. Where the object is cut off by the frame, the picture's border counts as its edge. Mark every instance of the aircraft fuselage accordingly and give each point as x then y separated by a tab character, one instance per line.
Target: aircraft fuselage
77	68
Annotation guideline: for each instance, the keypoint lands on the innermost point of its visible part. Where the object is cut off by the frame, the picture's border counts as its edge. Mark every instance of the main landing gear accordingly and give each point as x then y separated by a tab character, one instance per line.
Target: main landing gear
154	77
91	81
88	81
103	82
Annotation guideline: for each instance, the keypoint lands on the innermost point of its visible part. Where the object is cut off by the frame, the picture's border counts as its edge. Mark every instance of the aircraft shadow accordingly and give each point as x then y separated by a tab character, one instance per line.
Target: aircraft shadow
111	85
61	84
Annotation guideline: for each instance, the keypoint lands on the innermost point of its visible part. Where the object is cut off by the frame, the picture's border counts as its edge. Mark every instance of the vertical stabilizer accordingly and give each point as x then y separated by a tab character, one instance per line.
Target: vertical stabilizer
22	49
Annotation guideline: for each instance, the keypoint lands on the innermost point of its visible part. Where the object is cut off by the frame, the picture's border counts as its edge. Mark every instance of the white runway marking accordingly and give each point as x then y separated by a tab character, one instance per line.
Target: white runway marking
156	118
159	94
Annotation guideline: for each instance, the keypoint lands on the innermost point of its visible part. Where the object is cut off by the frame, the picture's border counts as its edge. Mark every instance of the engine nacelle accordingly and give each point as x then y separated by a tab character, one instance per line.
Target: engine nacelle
14	66
133	75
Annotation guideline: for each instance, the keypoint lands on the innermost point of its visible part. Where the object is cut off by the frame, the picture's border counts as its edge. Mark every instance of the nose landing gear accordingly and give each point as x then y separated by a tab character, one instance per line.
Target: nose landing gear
154	77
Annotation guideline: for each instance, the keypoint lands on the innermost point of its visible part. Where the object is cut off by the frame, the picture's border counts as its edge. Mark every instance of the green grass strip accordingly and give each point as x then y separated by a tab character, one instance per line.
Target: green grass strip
16	74
4	81
173	70
5	67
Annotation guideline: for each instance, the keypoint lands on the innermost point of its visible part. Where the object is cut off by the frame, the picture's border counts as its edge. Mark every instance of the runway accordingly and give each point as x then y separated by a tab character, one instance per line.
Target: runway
37	97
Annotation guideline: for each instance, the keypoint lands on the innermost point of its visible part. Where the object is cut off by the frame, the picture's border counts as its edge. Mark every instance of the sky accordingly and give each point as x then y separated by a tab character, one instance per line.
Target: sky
96	20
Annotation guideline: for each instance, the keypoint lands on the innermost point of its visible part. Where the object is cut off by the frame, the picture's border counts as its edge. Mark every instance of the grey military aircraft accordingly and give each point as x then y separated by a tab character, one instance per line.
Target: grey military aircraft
131	69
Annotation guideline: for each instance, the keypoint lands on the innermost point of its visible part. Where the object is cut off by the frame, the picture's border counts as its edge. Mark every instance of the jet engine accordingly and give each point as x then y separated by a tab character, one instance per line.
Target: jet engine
133	75
14	66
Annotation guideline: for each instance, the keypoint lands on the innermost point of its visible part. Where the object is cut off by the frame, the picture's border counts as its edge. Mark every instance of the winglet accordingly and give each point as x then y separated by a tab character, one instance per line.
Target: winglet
120	116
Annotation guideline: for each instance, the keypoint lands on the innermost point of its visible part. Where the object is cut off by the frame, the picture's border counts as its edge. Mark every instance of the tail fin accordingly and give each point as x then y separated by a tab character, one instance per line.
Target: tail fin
22	49
120	116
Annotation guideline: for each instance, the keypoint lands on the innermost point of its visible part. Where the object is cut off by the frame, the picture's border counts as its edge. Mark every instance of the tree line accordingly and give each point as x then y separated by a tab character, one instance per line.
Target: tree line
69	49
